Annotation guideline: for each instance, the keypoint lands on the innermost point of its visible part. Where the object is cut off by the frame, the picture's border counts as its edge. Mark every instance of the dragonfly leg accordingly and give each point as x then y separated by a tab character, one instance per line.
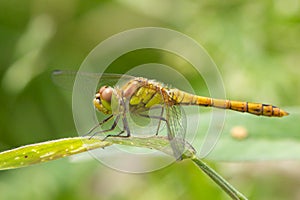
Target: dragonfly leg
118	135
125	123
126	128
99	124
112	127
159	121
174	141
160	118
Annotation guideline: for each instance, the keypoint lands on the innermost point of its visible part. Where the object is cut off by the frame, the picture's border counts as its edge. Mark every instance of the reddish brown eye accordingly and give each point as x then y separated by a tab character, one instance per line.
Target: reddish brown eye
106	93
102	88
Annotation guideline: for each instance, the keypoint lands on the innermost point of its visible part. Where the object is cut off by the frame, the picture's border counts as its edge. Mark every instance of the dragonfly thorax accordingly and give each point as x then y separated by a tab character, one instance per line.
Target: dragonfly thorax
102	100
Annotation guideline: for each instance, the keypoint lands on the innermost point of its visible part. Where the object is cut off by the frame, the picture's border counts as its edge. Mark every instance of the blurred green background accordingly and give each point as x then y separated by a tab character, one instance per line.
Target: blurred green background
255	44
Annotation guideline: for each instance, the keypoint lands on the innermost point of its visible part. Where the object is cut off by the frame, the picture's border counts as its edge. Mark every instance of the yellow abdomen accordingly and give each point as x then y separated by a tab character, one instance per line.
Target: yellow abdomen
183	98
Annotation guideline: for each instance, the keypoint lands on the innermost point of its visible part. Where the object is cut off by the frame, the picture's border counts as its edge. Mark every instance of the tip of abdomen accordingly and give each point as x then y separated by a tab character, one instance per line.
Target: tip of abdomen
283	113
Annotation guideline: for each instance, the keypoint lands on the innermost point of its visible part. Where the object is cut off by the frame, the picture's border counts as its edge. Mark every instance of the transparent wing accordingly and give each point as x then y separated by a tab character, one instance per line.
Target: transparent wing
65	79
176	120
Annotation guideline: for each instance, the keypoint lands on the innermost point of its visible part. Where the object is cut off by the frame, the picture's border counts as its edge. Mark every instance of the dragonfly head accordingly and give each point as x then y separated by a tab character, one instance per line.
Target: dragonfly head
102	100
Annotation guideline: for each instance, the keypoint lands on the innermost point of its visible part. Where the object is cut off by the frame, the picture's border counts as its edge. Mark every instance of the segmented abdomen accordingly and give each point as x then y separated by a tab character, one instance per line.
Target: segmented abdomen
184	98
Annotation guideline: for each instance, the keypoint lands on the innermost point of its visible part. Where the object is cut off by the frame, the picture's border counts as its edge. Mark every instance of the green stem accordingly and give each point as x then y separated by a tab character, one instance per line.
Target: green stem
229	189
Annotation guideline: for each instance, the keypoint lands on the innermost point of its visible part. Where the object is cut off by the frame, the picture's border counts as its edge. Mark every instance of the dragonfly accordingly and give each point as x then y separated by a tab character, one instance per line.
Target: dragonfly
138	95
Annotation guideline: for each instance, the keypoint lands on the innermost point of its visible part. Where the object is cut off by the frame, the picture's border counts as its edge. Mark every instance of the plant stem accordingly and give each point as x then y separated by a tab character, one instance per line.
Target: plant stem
227	187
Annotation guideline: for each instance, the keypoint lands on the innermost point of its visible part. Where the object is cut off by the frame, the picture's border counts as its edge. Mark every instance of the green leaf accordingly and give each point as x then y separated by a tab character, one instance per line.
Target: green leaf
269	138
55	149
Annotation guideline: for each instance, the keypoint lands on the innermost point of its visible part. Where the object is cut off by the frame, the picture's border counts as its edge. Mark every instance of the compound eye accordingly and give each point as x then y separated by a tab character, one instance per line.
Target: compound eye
106	93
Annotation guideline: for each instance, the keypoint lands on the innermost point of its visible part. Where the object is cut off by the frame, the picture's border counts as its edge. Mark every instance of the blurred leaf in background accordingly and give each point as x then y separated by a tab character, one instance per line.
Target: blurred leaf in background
255	44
